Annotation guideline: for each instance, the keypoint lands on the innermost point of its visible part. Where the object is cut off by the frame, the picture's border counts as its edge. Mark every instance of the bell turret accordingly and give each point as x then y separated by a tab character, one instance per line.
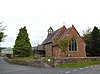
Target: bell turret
50	31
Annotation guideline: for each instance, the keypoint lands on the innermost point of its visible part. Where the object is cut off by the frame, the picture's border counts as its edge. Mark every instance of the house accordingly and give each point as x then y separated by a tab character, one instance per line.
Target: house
8	52
76	43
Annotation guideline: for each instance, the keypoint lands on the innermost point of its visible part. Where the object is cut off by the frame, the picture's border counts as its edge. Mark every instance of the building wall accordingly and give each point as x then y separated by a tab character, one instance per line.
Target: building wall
81	45
48	50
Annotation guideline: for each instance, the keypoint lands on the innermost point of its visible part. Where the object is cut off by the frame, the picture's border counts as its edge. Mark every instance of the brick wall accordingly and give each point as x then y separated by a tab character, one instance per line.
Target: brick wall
80	44
71	33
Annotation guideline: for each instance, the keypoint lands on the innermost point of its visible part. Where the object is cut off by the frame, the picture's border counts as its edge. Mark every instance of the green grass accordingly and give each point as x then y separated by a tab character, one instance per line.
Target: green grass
25	58
78	64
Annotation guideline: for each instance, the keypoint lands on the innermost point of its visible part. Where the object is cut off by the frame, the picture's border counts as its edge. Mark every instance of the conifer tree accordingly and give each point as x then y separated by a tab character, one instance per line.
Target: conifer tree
95	42
22	47
87	39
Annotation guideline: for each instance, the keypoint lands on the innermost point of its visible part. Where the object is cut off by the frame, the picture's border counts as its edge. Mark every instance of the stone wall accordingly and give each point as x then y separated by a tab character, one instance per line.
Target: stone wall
44	63
34	63
76	60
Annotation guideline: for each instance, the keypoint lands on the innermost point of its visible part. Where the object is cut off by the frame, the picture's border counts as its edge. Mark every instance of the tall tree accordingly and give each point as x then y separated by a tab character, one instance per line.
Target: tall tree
95	42
2	36
87	39
22	47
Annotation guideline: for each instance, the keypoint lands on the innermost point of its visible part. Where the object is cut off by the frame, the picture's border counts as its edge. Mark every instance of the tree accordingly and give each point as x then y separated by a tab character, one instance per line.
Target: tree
92	40
95	42
87	39
22	47
63	44
2	36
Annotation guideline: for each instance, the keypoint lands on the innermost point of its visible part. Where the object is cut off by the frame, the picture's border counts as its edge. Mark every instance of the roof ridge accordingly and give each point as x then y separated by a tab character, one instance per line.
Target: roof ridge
54	35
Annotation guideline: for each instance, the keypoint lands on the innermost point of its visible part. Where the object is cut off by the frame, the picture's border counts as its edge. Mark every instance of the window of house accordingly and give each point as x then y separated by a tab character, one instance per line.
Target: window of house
73	45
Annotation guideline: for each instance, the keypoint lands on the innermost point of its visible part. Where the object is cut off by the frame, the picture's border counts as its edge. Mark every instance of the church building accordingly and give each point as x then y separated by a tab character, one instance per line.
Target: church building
76	43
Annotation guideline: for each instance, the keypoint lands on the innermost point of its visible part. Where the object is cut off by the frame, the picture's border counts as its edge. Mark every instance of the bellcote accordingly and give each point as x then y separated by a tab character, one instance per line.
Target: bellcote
50	31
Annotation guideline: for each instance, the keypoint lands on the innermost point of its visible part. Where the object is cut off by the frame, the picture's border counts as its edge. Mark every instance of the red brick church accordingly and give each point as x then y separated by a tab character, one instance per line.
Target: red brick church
77	44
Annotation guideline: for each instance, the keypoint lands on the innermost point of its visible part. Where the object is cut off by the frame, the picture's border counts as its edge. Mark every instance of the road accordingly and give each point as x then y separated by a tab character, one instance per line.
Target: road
6	68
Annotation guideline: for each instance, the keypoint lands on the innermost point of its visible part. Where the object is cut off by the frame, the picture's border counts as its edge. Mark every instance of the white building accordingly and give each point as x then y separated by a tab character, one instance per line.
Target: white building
6	51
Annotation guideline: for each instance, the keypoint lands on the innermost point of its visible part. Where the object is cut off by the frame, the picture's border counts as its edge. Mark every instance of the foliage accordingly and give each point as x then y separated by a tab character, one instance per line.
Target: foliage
2	36
87	35
22	47
2	29
79	64
87	39
92	40
63	44
95	33
95	42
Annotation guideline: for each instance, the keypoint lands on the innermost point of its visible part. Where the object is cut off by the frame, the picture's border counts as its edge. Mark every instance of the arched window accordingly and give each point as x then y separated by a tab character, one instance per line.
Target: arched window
73	45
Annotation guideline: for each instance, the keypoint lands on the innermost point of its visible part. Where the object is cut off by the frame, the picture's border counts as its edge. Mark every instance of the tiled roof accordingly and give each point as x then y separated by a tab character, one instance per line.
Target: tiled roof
64	33
50	37
58	34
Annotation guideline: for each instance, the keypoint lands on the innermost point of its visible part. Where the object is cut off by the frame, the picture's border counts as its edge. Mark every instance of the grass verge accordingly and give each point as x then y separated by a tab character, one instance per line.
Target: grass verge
78	64
25	58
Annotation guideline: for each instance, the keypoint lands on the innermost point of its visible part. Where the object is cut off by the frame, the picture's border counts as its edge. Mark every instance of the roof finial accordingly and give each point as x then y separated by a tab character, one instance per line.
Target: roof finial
63	24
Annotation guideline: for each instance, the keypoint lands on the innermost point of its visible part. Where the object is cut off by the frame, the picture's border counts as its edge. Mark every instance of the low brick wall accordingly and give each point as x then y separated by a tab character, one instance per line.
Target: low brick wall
43	63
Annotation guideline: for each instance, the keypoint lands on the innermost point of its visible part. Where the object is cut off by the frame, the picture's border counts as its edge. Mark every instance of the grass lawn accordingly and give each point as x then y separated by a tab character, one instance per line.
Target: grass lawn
25	58
78	64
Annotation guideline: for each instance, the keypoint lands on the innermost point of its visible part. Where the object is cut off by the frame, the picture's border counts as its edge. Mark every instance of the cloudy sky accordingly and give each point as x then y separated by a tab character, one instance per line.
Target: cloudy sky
39	15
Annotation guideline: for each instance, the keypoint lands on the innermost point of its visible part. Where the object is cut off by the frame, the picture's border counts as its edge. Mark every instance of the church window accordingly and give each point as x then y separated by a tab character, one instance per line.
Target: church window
73	45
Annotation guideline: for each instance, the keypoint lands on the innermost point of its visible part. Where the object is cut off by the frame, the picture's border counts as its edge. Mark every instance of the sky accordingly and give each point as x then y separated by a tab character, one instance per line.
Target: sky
39	15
